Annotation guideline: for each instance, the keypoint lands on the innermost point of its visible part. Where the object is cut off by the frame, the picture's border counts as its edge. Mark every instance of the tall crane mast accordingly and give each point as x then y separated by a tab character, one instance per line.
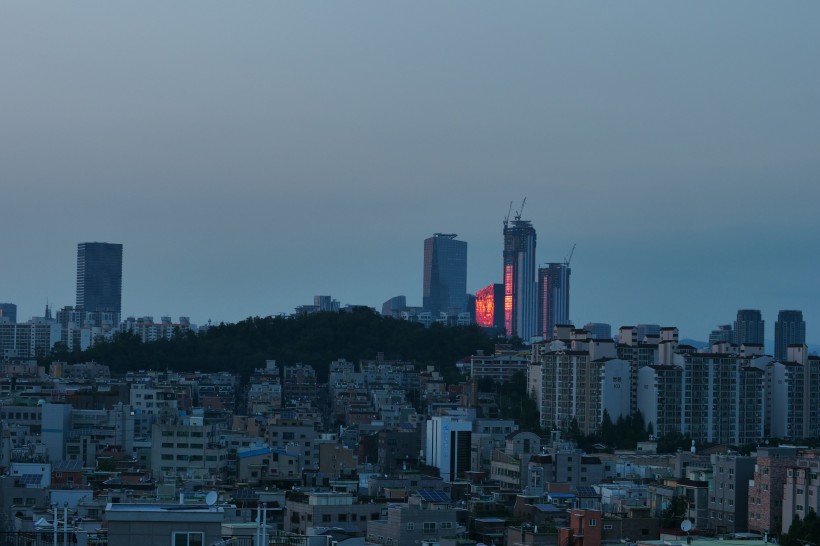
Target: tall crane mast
521	210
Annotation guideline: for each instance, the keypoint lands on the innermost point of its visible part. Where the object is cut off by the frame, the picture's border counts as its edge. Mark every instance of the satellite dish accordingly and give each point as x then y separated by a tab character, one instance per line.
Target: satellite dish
686	526
211	498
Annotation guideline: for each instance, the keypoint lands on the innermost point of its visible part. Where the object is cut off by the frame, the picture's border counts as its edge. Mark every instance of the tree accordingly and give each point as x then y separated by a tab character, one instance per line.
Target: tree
608	433
801	532
674	513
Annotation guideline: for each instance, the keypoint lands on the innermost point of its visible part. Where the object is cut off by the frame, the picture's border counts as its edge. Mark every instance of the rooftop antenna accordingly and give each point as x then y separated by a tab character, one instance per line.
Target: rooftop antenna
521	210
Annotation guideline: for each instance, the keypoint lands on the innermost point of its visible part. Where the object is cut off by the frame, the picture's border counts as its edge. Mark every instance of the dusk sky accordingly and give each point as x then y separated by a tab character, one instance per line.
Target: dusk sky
249	155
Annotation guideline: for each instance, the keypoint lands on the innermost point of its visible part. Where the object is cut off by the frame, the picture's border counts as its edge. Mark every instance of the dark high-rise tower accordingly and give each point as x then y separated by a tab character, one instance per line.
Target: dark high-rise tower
445	274
749	327
520	318
553	297
99	277
790	329
8	312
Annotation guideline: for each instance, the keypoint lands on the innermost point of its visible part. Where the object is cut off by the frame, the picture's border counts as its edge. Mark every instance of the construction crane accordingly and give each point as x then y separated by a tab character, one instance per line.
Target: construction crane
519	211
571	252
507	218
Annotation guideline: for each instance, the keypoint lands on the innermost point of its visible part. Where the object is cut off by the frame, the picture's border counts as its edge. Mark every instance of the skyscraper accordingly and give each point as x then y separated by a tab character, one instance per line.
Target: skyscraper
790	329
749	327
8	312
99	278
520	318
553	297
445	274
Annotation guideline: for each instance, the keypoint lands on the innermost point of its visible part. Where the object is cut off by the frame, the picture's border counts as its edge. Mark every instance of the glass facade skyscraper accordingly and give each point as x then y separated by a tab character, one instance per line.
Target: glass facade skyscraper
99	277
553	297
749	327
520	318
445	274
790	329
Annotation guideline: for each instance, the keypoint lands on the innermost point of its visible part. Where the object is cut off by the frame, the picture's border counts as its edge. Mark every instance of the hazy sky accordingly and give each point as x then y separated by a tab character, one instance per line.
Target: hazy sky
249	155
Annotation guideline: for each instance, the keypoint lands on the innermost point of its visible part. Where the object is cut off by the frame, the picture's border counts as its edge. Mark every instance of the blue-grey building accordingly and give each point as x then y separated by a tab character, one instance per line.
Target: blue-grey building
445	274
99	277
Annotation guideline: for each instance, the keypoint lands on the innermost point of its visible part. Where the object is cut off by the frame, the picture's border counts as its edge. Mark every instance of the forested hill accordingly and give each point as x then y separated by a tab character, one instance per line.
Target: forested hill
315	339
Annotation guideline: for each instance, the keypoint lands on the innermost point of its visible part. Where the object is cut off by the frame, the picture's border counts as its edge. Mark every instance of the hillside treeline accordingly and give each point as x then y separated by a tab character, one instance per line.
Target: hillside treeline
315	339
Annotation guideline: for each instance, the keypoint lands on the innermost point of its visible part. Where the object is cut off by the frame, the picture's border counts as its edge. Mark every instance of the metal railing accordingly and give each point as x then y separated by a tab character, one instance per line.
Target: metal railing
42	538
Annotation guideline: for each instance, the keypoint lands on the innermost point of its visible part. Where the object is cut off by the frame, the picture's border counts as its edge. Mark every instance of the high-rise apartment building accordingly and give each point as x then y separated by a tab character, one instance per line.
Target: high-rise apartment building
749	327
790	329
99	278
553	297
520	317
445	274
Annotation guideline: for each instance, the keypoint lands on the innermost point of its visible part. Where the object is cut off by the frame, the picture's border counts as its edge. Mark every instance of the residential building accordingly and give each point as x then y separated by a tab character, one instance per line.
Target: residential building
767	486
305	511
299	383
572	467
28	340
155	524
723	401
585	528
660	391
509	466
499	366
427	517
802	489
186	449
728	491
577	388
445	274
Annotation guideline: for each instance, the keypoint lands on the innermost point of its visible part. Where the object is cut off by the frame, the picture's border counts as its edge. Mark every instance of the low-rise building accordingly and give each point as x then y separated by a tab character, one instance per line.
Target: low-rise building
426	517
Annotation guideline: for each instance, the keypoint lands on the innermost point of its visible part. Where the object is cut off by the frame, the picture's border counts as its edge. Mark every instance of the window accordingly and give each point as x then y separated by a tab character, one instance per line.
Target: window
592	523
188	539
411	526
607	526
326	518
429	526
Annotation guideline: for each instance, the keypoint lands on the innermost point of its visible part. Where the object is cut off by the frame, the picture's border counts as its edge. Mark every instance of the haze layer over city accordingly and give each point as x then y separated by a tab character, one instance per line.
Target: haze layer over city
250	156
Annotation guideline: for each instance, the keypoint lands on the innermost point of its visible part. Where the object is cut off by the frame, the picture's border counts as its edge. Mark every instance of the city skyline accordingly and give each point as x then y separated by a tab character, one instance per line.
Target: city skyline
251	158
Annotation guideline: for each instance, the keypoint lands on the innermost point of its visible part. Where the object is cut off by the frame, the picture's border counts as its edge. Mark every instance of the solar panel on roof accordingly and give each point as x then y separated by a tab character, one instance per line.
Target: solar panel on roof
31	479
431	495
586	491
